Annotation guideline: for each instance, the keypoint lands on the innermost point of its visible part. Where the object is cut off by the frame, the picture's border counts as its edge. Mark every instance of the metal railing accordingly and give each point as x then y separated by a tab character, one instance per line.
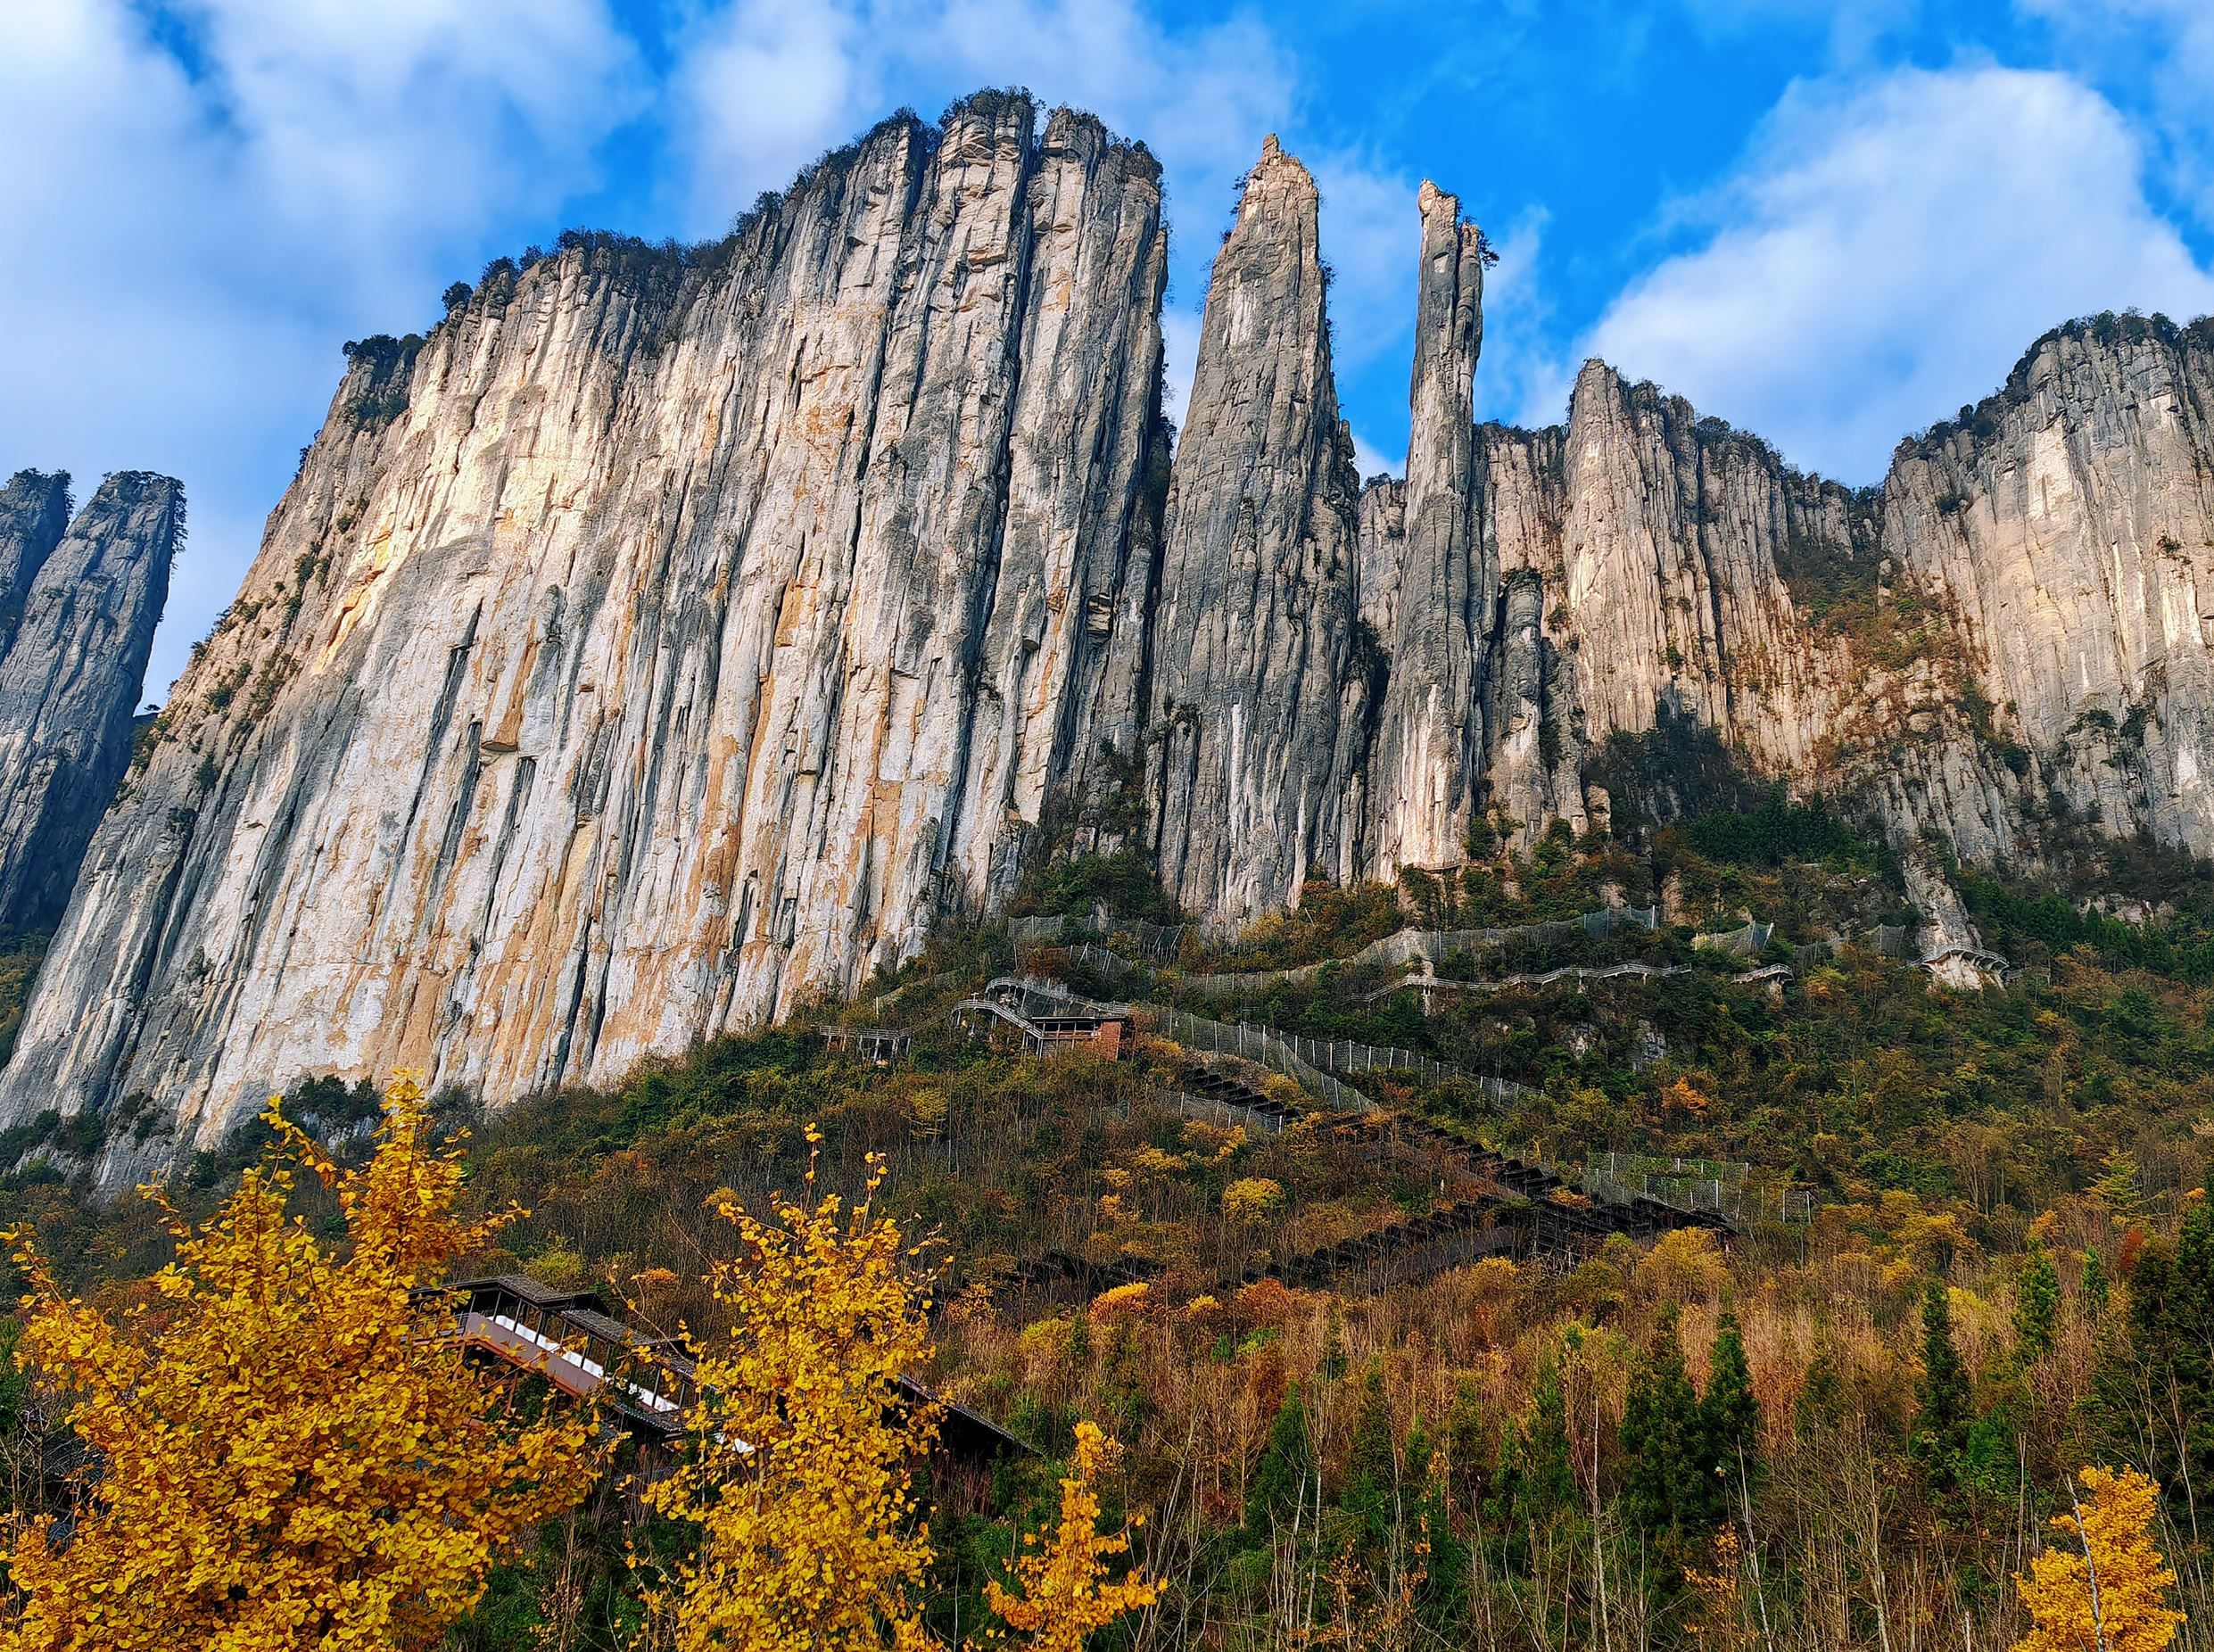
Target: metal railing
1258	1044
1727	1189
1405	947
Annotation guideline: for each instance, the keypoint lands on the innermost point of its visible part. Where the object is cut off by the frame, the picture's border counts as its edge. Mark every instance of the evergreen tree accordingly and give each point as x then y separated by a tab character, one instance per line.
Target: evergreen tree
1732	1416
1939	1442
1281	1478
1371	1489
1822	1401
1670	1486
1465	1455
1535	1484
1441	1558
1334	1346
2096	1289
2120	1186
2036	1305
2171	1321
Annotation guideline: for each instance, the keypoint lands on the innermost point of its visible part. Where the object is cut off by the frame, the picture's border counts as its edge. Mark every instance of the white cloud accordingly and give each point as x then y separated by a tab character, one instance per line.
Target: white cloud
1887	250
764	86
2160	48
192	230
1371	231
1520	378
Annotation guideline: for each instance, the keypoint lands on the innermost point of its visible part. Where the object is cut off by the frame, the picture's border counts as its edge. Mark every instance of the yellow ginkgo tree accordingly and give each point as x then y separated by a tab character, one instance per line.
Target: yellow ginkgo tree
285	1448
801	1454
1064	1589
2101	1585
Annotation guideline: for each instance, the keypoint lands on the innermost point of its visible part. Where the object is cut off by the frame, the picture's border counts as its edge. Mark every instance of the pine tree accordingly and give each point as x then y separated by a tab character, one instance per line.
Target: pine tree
1334	1346
2171	1321
1535	1484
1670	1484
1822	1401
2096	1288
1371	1491
2036	1305
1464	1447
1939	1441
1281	1479
2120	1188
1440	1556
1732	1414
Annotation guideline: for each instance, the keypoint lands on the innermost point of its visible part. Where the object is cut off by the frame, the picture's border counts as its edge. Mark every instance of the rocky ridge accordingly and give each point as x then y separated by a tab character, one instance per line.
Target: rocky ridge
663	640
78	611
669	639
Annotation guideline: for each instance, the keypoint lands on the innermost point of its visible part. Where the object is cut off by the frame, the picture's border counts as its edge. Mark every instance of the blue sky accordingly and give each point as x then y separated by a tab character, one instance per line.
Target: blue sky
1831	223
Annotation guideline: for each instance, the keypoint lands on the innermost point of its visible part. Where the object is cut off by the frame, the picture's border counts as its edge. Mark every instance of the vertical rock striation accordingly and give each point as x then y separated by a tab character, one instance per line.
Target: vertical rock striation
34	514
1670	580
71	675
1255	626
662	642
1430	740
2068	522
671	638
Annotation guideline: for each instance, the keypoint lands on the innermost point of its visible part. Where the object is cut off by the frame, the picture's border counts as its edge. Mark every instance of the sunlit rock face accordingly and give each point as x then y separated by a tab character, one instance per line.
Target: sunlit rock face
1427	766
78	604
669	640
1249	746
663	641
2070	523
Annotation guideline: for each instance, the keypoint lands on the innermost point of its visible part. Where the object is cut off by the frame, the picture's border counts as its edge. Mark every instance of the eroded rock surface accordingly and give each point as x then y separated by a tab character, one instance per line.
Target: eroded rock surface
669	639
662	642
1255	626
76	643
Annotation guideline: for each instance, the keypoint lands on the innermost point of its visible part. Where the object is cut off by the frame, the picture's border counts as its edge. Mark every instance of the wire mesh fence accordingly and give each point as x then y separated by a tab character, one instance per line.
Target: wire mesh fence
1730	1190
1258	1044
1747	941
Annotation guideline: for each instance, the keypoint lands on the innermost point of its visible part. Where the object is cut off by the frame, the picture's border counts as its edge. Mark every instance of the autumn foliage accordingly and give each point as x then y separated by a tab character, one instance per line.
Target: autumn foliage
802	1451
800	1456
285	1448
1064	1589
2102	1583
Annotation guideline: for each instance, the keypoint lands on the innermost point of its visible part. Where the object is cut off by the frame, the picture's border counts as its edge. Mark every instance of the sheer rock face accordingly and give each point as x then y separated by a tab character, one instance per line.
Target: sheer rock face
1253	751
70	671
2071	528
1536	753
668	640
1429	741
664	642
34	514
1669	576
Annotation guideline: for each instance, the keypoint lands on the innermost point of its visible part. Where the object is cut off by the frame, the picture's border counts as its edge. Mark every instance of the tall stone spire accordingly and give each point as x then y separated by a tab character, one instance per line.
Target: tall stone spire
1430	740
1257	608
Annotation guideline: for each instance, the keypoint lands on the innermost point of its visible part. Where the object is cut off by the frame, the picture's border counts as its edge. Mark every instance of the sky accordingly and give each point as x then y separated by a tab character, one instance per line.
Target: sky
1829	221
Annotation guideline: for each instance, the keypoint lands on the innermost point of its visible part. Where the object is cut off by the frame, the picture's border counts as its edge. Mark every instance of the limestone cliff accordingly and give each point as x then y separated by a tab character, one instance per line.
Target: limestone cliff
76	644
2068	523
671	638
662	640
34	514
1429	753
1255	626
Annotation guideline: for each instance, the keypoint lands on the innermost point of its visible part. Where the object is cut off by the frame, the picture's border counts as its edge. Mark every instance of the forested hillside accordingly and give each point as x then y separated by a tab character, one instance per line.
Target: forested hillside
1909	1256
